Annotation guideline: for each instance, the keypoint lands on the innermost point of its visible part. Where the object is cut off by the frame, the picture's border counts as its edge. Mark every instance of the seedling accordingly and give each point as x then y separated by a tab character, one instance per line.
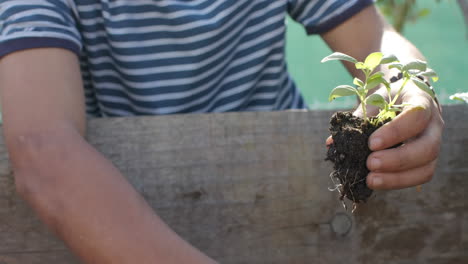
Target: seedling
413	71
349	149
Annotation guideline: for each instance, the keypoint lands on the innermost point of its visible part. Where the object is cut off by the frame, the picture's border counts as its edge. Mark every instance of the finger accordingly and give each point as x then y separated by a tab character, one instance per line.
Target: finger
410	123
415	153
400	180
329	141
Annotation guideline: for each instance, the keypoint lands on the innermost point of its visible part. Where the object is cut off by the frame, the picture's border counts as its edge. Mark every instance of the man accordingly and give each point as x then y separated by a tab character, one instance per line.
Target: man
141	57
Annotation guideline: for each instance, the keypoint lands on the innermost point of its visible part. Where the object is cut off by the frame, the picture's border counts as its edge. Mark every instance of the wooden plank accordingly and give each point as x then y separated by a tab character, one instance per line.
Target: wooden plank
252	188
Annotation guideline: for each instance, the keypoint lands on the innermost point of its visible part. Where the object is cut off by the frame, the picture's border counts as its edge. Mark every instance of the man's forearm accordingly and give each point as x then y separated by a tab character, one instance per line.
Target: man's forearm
89	204
391	43
357	37
394	43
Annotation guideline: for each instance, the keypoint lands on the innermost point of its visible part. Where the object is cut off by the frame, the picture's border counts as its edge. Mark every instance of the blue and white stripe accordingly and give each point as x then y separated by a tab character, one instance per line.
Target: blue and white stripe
146	57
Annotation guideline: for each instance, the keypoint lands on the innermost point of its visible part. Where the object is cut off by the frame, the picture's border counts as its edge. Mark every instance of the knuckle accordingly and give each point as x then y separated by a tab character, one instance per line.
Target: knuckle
429	153
424	114
421	120
402	157
395	133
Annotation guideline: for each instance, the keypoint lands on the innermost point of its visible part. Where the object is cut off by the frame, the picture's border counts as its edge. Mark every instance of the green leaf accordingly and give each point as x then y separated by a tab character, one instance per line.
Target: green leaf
360	66
395	109
376	81
415	65
460	97
358	82
430	73
414	72
423	86
339	56
377	100
373	60
424	12
398	66
389	59
386	10
372	84
342	90
388	114
377	75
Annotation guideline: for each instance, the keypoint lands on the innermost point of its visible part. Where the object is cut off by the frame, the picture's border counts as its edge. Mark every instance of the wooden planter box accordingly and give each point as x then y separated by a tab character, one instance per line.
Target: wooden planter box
252	188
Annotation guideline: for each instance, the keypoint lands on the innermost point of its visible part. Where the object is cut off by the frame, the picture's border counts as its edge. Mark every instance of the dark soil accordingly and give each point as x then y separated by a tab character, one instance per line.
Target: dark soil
349	152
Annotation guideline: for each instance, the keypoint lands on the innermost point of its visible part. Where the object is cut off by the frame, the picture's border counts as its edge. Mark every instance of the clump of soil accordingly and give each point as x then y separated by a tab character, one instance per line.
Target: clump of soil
349	152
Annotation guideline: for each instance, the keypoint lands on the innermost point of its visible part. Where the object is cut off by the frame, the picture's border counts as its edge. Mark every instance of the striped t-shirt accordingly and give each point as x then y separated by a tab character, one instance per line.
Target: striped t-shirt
146	57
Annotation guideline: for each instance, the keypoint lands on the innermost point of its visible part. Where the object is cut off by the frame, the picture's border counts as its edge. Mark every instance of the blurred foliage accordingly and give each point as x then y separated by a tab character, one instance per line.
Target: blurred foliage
399	12
402	11
460	97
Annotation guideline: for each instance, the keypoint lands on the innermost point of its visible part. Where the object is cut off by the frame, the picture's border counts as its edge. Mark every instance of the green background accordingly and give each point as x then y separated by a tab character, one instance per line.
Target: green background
441	37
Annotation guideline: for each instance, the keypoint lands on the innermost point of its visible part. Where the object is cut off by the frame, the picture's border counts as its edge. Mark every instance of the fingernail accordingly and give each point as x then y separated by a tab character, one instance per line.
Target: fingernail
375	143
375	164
377	181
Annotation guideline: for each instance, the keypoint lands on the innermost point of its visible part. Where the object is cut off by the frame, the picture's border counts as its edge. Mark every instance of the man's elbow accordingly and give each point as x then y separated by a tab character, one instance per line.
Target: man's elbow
38	162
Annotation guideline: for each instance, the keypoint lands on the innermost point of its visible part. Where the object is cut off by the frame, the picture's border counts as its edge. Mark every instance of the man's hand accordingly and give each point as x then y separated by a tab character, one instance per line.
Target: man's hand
419	127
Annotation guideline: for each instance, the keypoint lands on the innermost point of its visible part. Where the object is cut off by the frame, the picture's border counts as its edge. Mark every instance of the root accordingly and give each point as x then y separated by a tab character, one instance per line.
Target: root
351	191
337	186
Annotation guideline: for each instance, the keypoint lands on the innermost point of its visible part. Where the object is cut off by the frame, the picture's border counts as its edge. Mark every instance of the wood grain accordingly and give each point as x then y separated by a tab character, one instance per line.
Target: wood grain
252	188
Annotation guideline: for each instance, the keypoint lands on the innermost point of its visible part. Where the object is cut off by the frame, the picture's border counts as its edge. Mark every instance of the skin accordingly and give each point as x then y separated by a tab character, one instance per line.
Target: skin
75	190
88	203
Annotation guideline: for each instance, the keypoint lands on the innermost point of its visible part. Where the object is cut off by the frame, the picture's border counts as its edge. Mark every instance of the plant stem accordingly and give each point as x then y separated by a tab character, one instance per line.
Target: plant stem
464	8
389	93
367	73
399	91
403	14
364	110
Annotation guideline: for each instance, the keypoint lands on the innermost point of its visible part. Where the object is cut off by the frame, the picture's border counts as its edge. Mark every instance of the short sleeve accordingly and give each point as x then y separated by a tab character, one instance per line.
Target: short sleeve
26	24
320	16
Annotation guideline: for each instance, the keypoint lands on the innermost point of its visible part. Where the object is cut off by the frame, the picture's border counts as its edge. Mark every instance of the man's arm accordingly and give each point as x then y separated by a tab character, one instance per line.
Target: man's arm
419	127
77	192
